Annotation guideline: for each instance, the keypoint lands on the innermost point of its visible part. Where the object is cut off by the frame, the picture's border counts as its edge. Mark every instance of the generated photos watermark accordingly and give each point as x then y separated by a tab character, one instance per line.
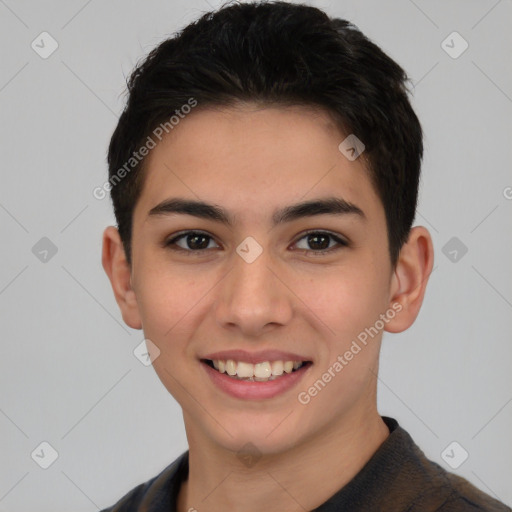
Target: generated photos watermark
150	143
304	397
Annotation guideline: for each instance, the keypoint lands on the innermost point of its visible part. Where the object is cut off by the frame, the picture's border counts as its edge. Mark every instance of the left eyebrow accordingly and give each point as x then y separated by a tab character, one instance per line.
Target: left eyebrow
327	206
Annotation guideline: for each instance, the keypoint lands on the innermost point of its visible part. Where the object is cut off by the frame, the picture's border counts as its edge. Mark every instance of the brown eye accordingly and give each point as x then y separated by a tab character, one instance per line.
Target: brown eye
319	241
191	241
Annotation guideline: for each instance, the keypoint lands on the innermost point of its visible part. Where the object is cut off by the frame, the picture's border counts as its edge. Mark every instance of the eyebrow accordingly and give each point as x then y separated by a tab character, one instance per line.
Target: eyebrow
202	210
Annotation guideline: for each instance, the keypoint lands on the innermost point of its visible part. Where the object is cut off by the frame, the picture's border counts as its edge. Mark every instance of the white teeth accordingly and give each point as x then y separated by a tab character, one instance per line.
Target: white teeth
259	372
245	369
277	367
262	370
230	367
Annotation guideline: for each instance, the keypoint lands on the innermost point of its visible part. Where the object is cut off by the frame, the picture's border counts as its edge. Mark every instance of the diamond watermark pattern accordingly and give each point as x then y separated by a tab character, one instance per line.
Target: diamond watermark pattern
454	455
146	352
44	455
249	455
454	45
351	147
454	249
249	249
44	45
44	250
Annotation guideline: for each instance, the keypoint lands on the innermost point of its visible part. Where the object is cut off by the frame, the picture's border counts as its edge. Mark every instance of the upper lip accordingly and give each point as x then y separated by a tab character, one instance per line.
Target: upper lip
255	357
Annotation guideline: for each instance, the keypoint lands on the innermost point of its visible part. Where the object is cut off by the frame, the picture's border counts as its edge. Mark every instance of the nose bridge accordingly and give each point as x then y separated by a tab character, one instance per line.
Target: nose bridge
252	278
251	295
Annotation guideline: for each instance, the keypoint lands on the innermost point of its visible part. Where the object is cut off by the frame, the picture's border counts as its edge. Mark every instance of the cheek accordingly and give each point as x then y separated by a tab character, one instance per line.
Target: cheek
350	303
168	306
347	300
166	303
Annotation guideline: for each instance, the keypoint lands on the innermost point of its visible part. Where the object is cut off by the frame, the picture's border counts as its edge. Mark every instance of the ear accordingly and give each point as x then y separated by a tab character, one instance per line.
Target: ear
119	273
409	280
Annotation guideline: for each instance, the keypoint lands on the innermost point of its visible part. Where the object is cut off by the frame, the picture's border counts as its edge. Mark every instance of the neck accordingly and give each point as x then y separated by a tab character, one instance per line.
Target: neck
299	479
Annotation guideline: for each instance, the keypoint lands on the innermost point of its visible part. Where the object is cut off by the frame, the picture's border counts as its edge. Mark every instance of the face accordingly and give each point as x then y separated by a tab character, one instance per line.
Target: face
265	283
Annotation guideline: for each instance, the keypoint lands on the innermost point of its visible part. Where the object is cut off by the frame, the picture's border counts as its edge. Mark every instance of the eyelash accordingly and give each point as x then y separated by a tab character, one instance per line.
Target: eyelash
171	243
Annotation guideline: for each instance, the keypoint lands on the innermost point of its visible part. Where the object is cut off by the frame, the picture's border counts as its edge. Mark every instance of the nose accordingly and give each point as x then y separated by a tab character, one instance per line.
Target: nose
253	297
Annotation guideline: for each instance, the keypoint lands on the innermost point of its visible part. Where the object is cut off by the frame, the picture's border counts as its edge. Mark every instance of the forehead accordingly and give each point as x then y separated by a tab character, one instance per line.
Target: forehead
252	159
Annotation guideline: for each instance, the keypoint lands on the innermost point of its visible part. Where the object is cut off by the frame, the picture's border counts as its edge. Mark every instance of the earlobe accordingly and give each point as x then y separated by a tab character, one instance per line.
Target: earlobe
118	271
410	278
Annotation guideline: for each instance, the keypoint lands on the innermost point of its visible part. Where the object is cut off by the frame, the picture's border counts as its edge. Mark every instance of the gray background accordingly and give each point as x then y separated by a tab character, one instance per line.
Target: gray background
68	375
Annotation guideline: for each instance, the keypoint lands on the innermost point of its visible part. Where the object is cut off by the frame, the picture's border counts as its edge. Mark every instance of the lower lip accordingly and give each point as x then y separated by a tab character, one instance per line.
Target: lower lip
255	390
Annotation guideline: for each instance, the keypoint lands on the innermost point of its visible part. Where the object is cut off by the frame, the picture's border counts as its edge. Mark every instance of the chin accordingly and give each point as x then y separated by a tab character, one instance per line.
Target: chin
267	436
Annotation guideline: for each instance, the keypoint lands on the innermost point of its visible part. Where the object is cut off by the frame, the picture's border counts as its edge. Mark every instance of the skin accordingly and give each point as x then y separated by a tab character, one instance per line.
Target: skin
252	160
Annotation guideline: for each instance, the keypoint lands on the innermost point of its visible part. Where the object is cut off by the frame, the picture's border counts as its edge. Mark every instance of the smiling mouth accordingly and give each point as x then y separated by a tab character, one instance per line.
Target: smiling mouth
260	372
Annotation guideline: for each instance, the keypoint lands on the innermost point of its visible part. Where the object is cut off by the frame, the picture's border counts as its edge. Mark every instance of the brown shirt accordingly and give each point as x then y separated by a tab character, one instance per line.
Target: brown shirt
397	478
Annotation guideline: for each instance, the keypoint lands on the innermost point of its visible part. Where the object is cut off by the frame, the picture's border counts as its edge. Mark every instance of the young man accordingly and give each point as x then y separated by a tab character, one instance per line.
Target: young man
264	176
